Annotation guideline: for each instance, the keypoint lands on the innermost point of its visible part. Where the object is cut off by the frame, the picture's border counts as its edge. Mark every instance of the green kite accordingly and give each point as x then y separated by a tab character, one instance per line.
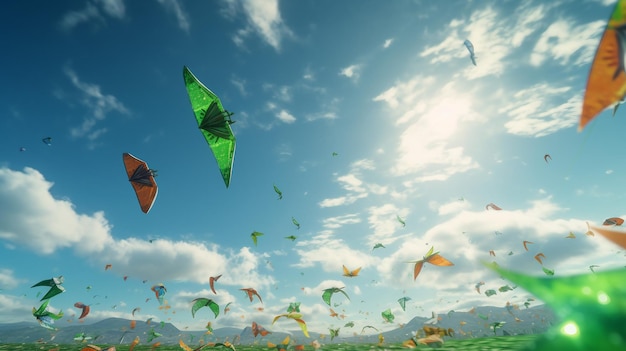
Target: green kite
214	123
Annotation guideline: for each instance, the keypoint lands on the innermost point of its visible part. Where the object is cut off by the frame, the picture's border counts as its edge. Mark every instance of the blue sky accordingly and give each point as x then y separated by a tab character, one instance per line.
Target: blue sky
419	131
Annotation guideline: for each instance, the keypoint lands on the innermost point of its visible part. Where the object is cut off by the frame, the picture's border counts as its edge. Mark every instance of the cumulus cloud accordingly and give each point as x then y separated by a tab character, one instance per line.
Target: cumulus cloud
35	220
98	103
175	7
94	10
263	18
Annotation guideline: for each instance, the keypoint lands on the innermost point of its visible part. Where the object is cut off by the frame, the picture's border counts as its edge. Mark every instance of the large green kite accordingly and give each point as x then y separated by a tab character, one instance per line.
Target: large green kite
214	123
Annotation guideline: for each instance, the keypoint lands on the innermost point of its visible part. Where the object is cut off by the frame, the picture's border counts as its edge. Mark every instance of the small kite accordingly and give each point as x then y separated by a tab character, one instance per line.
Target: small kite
431	257
141	177
401	221
434	318
492	206
47	141
293	307
539	256
496	325
328	293
153	335
251	292
349	273
402	301
546	157
202	302
291	237
85	309
387	315
159	291
46	318
277	191
470	48
606	84
227	308
526	242
257	329
505	288
333	333
212	281
379	245
295	222
478	285
133	344
296	317
55	287
214	123
613	221
254	236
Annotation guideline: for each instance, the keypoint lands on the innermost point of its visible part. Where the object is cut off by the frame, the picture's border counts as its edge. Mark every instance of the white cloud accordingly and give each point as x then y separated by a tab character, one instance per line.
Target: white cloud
564	38
535	113
424	150
383	220
91	12
467	237
7	279
176	7
263	18
98	103
285	117
340	221
387	43
330	252
32	218
353	72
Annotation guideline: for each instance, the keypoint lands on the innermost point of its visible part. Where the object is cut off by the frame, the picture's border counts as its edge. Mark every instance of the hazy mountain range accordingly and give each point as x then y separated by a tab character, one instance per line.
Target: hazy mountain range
533	320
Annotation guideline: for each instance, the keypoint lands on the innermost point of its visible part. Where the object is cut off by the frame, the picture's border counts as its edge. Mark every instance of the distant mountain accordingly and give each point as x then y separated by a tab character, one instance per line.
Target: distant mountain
533	320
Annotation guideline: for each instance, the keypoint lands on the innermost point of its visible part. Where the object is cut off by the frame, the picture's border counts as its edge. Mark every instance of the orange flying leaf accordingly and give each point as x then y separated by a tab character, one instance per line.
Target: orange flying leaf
492	206
257	329
251	292
539	256
526	242
333	313
431	257
606	84
349	273
85	309
616	236
212	281
133	344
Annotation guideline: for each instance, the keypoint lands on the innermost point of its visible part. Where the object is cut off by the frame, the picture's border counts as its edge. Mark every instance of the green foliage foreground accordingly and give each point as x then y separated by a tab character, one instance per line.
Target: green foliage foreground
482	344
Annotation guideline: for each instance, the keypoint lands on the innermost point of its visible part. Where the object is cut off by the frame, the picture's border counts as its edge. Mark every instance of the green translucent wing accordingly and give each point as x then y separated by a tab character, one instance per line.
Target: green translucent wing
214	123
202	302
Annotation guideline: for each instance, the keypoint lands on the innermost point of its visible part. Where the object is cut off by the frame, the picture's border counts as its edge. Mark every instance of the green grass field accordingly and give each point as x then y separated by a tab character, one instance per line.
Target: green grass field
482	344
